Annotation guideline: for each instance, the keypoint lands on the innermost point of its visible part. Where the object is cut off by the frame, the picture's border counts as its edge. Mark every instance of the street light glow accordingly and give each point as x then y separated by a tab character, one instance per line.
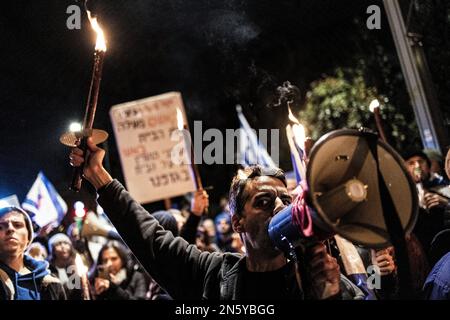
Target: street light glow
75	127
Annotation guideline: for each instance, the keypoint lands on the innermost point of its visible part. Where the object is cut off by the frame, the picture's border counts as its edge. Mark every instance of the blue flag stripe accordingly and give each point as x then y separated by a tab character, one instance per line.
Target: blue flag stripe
53	196
253	152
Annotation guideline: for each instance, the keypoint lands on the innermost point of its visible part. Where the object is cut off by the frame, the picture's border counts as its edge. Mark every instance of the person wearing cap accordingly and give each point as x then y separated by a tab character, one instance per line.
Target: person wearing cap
434	213
224	232
22	277
62	264
418	165
187	273
222	227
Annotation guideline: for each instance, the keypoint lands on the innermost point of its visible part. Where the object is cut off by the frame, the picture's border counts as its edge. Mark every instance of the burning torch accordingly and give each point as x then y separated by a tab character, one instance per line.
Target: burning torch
79	138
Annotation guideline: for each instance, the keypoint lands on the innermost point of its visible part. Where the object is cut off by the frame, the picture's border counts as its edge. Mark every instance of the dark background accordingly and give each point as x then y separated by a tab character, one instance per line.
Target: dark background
216	53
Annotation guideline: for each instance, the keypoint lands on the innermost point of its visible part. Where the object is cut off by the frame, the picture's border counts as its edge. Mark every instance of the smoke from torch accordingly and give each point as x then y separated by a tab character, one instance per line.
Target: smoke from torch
287	94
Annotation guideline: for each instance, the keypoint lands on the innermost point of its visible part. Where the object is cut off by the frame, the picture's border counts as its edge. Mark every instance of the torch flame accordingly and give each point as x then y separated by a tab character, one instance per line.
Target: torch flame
81	268
292	117
298	130
180	121
299	135
374	104
241	174
100	44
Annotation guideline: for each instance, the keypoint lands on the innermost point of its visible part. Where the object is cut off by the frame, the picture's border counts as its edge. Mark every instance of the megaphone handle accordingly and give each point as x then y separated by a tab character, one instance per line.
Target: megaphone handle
305	281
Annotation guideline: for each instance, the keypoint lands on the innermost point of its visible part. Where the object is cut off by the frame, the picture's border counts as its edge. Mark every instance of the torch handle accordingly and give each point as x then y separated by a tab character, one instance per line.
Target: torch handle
91	105
379	124
196	173
77	176
198	180
89	116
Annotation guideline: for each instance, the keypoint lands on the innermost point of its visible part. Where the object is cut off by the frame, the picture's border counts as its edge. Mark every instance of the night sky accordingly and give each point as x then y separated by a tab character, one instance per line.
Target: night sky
216	53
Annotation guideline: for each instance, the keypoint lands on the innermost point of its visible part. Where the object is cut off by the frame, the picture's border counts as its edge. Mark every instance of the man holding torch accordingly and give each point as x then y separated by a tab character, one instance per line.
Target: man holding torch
187	273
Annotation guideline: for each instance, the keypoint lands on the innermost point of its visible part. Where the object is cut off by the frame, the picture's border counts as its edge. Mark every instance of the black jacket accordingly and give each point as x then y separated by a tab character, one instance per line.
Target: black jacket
180	268
133	288
71	294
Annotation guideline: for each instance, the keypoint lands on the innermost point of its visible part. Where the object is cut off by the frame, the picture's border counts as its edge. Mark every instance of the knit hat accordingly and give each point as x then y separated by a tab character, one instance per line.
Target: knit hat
408	154
167	221
222	216
26	217
57	238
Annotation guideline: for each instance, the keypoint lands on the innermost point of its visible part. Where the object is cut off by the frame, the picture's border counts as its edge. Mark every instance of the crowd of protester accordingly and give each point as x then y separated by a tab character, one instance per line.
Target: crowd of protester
61	263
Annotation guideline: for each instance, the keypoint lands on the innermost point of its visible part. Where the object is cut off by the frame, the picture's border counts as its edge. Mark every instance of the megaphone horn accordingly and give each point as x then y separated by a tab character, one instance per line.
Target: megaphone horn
93	227
359	189
344	193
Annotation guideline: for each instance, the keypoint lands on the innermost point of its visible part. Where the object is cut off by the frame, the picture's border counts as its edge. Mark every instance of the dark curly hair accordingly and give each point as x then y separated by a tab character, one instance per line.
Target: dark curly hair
238	196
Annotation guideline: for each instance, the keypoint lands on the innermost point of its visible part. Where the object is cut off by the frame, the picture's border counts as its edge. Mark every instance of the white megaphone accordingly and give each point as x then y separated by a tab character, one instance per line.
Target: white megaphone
358	189
92	226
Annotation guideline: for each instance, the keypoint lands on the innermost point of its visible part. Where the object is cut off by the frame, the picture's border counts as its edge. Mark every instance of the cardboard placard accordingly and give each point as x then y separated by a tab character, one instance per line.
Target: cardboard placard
143	130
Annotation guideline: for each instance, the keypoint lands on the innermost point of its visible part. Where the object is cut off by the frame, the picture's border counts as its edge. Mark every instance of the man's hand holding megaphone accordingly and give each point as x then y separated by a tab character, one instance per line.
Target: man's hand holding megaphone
324	272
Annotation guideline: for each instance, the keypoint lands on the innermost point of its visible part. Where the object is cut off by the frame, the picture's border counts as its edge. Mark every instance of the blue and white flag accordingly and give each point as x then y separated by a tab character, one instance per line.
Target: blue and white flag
10	201
251	150
44	202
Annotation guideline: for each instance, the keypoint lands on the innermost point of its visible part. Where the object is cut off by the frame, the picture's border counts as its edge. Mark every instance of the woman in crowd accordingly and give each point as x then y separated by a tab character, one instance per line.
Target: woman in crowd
117	276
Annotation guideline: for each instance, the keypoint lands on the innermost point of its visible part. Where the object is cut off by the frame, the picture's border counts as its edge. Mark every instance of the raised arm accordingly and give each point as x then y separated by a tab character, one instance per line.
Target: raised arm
178	267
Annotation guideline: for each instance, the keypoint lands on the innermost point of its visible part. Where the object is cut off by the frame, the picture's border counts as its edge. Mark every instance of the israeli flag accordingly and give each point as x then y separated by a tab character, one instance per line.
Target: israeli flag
251	151
10	201
44	202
